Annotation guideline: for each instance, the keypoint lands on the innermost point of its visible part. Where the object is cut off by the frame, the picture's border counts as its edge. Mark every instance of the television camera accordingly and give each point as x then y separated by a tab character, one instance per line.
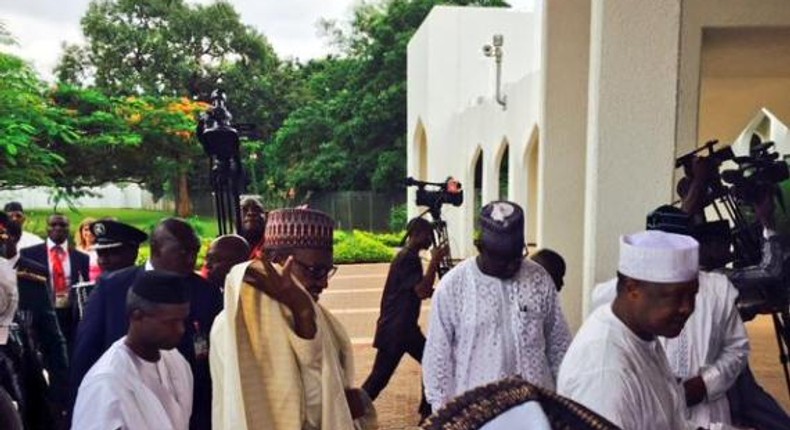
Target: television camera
221	142
434	195
761	268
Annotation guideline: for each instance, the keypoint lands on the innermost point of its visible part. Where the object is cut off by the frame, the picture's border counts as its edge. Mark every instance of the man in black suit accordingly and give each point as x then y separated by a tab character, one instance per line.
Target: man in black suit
174	248
36	316
65	266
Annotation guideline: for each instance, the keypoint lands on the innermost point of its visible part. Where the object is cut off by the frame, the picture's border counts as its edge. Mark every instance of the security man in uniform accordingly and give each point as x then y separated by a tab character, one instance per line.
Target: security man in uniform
117	244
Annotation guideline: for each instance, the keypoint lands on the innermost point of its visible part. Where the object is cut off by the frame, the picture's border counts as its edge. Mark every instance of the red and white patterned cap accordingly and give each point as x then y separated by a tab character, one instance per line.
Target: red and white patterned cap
298	228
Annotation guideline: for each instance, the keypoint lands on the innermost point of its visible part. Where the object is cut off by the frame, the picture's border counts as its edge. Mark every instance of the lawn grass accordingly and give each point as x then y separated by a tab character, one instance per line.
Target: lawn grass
143	219
350	247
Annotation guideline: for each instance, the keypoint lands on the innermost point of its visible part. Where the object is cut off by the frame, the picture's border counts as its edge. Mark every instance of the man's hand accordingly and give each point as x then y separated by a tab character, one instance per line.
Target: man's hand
280	287
695	390
437	254
355	403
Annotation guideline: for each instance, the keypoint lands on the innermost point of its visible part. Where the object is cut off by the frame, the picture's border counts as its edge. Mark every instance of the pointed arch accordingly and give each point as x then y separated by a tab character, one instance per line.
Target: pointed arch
531	167
476	174
502	163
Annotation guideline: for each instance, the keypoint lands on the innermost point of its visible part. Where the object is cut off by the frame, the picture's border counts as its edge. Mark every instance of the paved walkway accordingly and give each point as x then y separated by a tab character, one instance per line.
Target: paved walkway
354	295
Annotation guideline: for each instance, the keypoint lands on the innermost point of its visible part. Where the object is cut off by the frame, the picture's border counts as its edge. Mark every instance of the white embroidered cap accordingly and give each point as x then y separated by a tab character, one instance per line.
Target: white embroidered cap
657	256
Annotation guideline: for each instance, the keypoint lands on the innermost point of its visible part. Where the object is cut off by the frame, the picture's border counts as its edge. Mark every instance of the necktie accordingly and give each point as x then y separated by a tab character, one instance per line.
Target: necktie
59	282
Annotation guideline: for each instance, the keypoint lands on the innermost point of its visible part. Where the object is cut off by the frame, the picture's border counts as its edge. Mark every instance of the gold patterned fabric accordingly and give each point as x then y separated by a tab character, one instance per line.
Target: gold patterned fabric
264	375
476	407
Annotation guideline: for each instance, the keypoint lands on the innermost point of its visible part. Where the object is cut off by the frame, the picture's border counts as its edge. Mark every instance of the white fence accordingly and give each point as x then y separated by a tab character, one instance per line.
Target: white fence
130	196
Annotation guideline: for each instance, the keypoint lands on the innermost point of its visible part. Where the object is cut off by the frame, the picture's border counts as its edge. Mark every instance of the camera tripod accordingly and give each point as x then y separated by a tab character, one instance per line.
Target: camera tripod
781	319
440	239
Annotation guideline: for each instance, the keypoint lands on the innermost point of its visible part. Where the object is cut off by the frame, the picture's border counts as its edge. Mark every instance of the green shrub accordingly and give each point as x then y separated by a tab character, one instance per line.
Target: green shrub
393	240
398	217
361	247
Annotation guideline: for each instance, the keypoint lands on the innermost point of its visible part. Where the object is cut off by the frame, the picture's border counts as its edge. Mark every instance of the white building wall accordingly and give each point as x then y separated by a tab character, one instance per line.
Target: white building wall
451	87
696	16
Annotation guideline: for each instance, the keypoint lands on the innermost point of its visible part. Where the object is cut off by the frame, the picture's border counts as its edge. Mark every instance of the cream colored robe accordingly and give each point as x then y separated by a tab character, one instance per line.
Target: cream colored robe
265	377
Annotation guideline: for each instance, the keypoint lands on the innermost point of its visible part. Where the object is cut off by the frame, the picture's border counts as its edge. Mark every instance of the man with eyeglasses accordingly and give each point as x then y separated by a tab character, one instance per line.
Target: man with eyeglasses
280	360
494	315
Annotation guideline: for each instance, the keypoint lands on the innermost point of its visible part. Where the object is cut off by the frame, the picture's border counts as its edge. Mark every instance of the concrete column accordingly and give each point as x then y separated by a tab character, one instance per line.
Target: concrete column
563	127
632	124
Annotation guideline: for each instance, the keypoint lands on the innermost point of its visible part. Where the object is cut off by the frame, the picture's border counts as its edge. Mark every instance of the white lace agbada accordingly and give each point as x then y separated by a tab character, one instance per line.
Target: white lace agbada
483	329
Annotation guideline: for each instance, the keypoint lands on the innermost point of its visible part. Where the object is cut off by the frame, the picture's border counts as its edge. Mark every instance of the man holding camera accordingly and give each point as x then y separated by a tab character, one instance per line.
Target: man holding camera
397	330
494	315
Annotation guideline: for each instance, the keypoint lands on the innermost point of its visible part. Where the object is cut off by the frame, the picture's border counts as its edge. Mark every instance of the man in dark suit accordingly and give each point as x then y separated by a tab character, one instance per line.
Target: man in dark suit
174	248
66	267
37	317
117	245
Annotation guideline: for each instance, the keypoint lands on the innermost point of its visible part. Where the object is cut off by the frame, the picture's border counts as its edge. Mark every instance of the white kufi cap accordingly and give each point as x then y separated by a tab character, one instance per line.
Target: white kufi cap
657	256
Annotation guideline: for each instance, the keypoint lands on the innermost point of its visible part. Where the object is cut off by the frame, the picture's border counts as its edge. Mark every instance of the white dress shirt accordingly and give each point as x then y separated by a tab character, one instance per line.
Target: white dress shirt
27	239
483	329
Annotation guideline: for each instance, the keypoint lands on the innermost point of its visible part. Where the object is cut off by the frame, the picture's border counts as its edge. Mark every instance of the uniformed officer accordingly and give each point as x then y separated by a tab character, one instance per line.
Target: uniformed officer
117	244
40	331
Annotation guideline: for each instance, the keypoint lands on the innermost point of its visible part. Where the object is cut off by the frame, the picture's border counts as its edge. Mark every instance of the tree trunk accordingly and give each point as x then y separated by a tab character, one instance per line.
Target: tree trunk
183	203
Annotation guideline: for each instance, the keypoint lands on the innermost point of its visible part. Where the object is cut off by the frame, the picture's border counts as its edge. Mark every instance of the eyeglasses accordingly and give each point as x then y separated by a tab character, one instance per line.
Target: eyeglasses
317	272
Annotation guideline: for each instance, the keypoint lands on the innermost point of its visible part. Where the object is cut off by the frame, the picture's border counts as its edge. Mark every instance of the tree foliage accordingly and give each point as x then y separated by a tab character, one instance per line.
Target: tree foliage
350	130
29	125
168	48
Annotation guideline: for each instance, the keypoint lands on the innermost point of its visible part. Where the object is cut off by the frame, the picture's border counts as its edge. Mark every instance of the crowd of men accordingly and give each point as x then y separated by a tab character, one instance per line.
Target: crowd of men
245	343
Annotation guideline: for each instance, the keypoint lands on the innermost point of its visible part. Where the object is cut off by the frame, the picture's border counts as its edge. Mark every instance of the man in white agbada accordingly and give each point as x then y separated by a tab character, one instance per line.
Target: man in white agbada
713	347
615	365
141	381
279	360
494	316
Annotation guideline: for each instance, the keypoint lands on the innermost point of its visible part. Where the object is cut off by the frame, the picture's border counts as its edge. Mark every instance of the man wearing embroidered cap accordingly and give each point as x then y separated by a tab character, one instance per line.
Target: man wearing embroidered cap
279	359
494	315
615	365
141	381
117	244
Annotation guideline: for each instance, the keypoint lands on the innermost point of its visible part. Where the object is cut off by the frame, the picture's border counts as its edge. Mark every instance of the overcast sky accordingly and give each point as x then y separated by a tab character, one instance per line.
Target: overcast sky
41	26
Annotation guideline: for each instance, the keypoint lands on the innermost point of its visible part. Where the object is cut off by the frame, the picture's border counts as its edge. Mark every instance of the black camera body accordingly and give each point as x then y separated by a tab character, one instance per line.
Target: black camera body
448	192
756	174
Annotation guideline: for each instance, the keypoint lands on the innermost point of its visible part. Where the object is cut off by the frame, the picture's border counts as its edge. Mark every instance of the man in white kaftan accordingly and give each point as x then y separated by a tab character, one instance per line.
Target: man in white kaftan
615	365
713	345
125	391
141	381
494	316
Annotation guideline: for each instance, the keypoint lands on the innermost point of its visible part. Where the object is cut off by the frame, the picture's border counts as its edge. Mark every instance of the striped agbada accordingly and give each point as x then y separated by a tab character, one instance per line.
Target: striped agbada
265	376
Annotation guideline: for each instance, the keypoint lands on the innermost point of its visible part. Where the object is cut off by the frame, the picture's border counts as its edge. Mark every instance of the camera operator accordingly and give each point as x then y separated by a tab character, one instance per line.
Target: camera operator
750	404
397	330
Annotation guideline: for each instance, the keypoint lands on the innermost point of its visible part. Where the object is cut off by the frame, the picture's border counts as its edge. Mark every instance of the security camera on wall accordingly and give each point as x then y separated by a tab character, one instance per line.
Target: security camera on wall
488	50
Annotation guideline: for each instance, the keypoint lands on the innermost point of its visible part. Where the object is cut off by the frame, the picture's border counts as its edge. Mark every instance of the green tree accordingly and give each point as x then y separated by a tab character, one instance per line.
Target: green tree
349	132
131	139
169	48
29	126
